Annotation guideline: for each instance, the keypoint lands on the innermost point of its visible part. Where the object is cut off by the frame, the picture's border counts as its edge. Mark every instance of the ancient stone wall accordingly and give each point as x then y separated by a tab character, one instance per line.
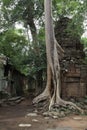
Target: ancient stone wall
74	83
73	69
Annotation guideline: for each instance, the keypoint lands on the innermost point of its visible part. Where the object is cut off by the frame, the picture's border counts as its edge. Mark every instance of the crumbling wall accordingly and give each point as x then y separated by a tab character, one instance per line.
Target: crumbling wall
73	69
74	83
2	78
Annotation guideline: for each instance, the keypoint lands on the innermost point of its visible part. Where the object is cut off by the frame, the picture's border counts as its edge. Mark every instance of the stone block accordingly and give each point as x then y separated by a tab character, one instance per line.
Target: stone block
73	90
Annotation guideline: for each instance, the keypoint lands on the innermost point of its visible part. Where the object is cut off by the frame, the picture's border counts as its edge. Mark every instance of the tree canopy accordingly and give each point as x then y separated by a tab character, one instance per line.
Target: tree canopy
31	15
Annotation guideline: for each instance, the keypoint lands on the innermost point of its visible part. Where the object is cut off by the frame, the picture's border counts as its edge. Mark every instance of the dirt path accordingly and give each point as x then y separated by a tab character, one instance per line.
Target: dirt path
11	117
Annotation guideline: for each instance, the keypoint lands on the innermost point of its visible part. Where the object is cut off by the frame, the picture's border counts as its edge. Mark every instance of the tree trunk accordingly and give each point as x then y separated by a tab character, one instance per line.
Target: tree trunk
53	51
33	29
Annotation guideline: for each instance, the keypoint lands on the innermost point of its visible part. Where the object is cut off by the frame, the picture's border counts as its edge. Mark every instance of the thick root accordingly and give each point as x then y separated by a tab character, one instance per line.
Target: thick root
52	102
74	105
43	96
64	103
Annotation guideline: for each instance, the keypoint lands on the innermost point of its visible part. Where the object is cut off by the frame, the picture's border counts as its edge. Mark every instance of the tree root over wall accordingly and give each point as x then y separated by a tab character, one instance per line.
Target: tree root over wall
54	53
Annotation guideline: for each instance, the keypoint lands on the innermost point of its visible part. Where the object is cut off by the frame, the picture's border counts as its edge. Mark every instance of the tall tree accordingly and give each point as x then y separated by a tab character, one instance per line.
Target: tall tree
54	51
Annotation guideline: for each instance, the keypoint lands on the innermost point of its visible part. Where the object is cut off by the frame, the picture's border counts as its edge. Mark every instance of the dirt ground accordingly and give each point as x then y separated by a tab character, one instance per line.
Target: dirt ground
12	116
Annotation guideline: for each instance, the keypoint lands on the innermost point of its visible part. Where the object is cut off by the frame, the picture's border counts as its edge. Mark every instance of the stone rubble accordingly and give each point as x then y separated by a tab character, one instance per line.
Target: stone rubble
24	125
32	114
11	101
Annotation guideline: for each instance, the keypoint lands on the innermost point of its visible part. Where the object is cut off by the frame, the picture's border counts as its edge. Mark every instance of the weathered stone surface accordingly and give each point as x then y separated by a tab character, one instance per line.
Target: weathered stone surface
24	125
34	120
74	89
32	114
55	117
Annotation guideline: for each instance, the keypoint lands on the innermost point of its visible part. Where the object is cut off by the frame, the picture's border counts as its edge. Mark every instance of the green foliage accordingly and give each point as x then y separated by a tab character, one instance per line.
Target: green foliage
6	2
29	58
21	10
69	7
13	45
24	10
36	58
74	9
84	41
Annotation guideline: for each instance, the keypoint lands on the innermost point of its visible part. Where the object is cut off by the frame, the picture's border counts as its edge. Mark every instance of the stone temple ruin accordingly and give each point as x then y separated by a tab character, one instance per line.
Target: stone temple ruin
73	68
12	82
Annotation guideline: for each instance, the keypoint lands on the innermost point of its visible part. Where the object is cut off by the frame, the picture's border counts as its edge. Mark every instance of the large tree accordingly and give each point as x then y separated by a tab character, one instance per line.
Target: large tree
30	12
54	52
